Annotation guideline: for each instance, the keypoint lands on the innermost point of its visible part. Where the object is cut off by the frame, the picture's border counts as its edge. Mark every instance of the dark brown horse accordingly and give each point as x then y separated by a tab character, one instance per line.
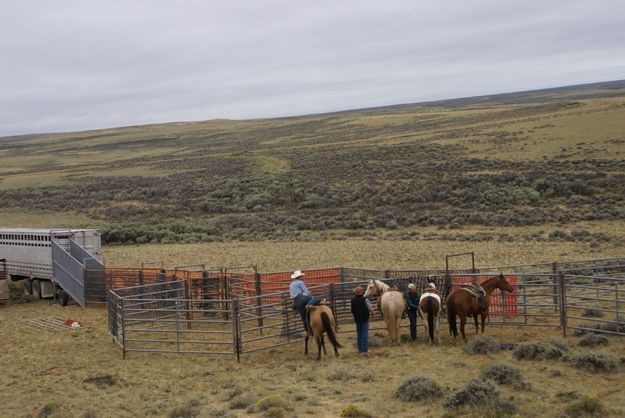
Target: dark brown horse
463	301
320	320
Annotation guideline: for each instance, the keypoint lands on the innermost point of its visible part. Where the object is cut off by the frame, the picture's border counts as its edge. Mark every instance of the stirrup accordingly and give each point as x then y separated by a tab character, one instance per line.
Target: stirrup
309	307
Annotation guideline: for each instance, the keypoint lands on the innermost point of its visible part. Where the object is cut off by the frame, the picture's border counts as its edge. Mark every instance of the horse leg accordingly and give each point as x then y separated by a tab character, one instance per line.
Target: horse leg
463	322
476	327
397	331
319	344
306	344
484	315
323	345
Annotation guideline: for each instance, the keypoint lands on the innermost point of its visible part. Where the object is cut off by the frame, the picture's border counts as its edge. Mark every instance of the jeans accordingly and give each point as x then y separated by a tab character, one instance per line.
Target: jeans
412	315
362	336
301	302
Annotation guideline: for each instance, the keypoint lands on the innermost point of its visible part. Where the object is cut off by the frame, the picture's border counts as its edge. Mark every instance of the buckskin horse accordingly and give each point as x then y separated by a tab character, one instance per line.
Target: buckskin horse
320	320
392	304
464	301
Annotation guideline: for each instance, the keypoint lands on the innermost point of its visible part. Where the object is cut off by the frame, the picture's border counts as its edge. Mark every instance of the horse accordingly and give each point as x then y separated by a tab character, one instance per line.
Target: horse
430	310
463	302
320	320
392	304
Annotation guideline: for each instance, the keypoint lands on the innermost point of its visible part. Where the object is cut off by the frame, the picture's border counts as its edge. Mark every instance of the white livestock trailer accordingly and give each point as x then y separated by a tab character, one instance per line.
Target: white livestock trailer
50	261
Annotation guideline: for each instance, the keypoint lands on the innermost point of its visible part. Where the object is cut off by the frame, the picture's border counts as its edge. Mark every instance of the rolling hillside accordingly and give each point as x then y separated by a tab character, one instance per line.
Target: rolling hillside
546	161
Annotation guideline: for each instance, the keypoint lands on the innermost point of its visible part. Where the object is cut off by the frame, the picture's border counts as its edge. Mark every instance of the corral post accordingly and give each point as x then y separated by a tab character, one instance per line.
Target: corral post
226	290
473	263
123	332
563	313
503	305
187	303
177	326
616	302
333	305
525	302
259	302
286	318
236	335
554	278
387	274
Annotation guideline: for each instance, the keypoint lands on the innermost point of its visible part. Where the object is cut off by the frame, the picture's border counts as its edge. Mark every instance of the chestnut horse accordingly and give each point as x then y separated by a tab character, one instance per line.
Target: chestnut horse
463	302
393	305
320	320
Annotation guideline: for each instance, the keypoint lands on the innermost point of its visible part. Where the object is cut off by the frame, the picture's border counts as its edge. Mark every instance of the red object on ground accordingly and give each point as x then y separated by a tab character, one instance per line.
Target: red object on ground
69	322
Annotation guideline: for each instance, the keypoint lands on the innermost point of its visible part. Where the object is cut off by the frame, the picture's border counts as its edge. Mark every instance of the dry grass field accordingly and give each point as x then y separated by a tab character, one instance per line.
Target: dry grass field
80	373
376	254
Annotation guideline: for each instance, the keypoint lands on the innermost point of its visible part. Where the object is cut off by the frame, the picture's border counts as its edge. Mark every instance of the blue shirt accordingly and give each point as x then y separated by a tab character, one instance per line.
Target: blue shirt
296	287
368	304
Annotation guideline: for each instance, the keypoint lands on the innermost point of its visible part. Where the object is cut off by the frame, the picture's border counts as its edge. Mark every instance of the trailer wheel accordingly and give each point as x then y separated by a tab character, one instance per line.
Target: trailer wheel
37	289
28	286
62	297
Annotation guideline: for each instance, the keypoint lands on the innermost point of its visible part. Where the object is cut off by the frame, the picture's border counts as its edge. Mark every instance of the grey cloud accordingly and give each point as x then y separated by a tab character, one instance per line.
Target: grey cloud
70	65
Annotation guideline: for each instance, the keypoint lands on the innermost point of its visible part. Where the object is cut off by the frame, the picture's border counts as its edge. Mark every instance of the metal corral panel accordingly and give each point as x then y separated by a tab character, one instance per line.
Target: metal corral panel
4	281
68	273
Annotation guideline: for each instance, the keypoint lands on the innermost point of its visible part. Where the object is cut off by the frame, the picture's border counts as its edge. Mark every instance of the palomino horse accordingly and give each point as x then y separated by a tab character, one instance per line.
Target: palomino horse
430	310
463	302
392	304
320	320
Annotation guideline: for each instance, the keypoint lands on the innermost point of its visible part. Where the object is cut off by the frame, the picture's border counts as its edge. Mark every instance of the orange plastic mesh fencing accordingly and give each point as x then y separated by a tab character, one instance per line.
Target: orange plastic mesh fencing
500	302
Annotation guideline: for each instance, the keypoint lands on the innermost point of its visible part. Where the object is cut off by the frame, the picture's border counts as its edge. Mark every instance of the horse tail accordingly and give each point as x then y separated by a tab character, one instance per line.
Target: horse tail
327	326
430	311
451	317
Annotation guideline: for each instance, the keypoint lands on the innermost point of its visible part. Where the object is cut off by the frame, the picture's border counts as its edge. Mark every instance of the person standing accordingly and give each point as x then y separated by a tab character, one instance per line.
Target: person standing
362	310
412	303
301	296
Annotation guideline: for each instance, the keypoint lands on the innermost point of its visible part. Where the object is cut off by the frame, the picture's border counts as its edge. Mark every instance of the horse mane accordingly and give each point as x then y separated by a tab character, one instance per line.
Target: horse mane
489	279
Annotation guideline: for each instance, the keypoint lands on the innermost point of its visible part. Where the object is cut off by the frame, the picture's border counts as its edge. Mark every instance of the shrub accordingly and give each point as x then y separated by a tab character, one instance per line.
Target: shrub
49	409
101	380
502	374
537	351
185	411
241	401
340	373
272	400
589	406
351	410
560	343
595	362
592	313
477	392
592	340
567	395
482	344
418	388
275	412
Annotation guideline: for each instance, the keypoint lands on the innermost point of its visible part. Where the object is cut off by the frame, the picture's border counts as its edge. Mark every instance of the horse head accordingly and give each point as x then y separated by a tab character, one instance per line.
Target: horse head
503	284
372	289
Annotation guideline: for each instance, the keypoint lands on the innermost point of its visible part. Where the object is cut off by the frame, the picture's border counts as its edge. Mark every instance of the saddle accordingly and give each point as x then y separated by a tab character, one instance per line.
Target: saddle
477	291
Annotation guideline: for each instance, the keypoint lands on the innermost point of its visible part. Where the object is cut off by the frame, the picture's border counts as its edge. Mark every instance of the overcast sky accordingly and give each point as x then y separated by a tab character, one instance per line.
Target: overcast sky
73	65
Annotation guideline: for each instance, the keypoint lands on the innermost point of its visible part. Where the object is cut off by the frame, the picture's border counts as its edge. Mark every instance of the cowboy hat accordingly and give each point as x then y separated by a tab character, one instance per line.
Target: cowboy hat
296	274
412	286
